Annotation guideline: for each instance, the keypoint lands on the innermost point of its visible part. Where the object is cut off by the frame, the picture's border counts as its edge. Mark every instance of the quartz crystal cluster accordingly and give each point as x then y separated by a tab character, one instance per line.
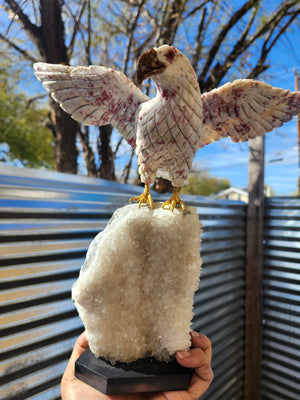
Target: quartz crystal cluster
135	290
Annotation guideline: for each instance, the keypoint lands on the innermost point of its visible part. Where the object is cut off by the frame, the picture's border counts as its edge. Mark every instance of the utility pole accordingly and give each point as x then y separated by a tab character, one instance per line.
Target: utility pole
254	270
298	129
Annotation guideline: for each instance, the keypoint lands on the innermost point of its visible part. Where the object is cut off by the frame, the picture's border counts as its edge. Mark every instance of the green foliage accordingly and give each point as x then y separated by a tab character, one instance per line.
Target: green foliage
22	128
201	183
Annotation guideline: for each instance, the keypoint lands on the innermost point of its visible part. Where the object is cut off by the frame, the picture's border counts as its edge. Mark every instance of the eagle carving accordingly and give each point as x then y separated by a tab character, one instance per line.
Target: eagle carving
168	129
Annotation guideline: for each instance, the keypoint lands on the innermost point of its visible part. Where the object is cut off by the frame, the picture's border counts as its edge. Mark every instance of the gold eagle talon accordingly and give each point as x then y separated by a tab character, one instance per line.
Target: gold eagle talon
174	201
144	198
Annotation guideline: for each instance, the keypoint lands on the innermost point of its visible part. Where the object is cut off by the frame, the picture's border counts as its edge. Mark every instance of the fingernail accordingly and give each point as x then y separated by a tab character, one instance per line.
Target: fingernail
196	334
183	354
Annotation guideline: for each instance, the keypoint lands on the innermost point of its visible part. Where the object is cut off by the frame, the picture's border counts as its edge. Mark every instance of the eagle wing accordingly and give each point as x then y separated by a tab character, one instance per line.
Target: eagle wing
94	95
246	108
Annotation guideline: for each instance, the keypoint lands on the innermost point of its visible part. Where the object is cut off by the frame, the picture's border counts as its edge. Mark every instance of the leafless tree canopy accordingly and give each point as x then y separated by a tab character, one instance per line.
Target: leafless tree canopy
222	40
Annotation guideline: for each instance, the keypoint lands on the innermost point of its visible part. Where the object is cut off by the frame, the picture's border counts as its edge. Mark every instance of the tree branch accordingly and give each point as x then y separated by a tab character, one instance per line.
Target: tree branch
126	171
222	34
274	21
24	53
131	34
89	41
70	47
198	41
160	25
192	12
260	65
173	19
33	99
118	146
219	70
33	31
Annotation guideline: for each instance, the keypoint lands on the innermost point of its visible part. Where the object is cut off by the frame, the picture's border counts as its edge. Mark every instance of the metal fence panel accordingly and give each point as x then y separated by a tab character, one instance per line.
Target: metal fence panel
47	221
219	302
281	332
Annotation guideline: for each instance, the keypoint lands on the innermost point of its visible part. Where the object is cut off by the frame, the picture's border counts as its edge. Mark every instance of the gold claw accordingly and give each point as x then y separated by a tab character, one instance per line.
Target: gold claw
174	201
144	198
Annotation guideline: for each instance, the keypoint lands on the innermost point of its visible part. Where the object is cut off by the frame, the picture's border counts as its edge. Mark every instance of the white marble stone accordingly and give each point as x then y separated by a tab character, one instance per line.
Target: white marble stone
135	289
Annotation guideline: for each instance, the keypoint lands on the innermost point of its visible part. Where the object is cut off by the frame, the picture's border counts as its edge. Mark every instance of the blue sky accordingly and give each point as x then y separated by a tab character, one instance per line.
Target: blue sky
225	159
230	160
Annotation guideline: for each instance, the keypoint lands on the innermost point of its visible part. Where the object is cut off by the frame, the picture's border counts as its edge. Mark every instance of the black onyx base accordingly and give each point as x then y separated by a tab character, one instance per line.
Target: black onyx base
145	375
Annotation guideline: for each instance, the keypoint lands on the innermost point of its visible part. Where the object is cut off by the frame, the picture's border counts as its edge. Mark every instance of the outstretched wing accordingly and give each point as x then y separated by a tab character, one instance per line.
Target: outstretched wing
94	95
245	109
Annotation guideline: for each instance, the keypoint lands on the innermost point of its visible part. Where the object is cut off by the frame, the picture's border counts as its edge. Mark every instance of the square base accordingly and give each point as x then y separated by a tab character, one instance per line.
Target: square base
145	375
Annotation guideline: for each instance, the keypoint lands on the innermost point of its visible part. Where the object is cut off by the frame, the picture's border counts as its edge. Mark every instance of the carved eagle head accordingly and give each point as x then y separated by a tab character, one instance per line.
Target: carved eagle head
165	65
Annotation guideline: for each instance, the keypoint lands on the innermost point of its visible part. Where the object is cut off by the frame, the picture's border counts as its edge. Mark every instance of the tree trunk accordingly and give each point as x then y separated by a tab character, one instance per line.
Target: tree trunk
88	152
106	155
254	271
53	50
65	140
162	185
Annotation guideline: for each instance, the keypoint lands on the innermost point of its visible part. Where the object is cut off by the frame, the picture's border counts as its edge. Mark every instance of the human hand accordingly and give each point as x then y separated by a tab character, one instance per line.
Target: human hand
199	358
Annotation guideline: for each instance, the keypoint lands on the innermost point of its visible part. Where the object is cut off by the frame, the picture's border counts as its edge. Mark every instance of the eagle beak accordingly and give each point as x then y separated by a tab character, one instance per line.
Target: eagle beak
148	65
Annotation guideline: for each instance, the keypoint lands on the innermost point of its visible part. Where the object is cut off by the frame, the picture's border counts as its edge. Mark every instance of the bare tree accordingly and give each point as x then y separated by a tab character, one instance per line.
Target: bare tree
222	40
49	39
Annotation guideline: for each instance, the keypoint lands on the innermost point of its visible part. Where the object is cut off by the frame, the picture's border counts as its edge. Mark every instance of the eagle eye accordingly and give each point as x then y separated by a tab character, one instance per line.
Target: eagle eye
170	55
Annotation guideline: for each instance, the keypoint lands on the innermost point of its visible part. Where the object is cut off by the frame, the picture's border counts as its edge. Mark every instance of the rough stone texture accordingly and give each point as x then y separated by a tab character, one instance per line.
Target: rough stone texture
135	289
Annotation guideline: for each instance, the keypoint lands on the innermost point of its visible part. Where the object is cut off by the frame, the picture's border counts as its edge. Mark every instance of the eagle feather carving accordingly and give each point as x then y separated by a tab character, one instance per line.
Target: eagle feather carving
167	130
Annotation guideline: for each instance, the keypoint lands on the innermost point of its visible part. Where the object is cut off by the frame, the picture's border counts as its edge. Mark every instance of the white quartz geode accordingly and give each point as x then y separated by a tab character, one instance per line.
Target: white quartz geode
135	290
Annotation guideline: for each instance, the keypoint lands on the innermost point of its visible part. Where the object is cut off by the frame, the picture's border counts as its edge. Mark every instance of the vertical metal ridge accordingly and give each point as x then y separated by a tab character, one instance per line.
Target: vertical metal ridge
46	223
281	329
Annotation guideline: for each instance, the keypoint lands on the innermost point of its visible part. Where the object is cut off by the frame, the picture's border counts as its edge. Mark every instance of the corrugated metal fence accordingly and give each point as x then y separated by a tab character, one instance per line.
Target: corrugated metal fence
47	222
281	329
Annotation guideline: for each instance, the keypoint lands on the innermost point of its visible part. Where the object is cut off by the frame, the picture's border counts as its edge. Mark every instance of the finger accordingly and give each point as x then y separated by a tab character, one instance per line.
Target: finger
197	359
202	341
198	386
193	358
80	346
